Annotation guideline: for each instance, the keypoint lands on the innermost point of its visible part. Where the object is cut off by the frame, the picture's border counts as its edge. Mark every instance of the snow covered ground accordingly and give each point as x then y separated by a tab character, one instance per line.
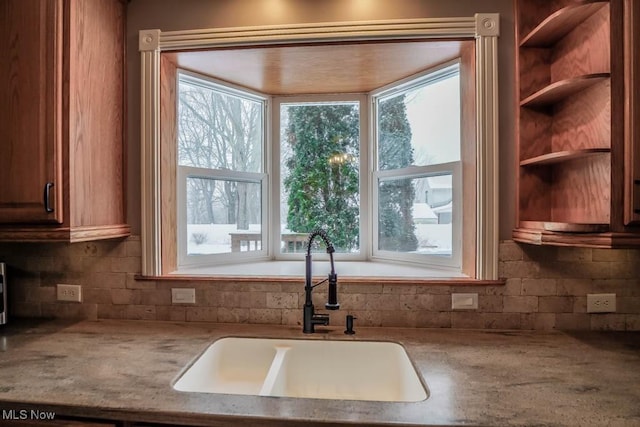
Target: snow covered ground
216	238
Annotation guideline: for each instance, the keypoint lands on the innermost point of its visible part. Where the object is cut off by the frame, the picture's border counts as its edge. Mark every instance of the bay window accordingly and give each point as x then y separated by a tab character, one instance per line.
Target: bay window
402	202
243	154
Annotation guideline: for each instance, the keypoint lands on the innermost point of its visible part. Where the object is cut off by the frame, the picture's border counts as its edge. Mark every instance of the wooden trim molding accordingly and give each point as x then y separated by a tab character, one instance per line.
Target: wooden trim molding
587	240
65	234
484	28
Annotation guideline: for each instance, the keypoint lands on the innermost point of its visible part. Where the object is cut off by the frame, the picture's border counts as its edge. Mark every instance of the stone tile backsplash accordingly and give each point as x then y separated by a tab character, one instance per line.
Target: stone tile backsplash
545	288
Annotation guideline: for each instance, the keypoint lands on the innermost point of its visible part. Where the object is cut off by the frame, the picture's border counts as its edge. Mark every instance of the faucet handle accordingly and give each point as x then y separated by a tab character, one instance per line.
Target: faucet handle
320	319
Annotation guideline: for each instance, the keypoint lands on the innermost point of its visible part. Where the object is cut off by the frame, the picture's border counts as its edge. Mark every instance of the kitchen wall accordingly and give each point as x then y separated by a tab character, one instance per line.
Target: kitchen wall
546	289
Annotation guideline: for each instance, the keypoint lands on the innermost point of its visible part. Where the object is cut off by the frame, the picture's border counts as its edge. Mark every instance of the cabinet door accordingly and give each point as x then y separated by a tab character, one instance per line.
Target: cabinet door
31	111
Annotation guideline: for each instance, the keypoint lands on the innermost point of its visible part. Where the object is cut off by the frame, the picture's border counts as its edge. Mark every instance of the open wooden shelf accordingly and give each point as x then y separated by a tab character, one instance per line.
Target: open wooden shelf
561	23
565	227
562	89
563	156
576	134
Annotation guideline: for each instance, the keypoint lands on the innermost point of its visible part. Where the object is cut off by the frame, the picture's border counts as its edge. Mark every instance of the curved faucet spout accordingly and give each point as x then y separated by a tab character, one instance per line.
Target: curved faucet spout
330	249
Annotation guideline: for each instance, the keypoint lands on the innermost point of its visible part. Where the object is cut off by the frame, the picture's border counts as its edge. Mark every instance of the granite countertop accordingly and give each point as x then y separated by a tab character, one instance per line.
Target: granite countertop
123	370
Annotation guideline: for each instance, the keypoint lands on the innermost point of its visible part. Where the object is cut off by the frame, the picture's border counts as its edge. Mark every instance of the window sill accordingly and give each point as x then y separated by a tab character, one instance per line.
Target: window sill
348	271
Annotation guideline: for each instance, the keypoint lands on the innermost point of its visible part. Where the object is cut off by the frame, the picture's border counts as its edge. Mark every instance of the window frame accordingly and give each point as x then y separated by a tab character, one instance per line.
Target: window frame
369	173
415	172
364	147
484	28
416	81
260	177
198	260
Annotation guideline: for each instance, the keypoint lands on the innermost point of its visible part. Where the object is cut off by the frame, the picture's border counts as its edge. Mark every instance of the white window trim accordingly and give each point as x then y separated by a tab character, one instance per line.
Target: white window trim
418	80
484	28
433	261
185	172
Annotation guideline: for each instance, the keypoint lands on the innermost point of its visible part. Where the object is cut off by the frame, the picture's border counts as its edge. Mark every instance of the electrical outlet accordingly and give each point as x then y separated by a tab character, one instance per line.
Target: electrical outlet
183	296
464	301
601	303
71	293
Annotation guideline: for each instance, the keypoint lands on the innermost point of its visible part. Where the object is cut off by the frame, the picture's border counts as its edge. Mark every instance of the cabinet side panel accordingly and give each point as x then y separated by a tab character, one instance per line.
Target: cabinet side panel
584	120
30	133
581	191
585	50
96	89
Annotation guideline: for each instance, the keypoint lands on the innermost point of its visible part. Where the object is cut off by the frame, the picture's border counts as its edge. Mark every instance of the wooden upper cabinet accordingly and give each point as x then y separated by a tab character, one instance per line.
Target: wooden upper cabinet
63	115
31	103
574	142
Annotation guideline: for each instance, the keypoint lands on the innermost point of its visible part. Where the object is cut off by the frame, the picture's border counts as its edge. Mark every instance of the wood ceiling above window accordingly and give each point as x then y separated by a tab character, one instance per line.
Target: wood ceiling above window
321	68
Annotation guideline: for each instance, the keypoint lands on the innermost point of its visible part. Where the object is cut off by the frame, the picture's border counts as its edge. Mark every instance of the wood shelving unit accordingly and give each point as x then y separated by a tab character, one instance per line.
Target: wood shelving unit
569	111
560	23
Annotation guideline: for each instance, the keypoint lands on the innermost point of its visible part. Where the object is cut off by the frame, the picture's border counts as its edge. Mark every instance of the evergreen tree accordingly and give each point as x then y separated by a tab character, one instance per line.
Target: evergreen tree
396	229
323	180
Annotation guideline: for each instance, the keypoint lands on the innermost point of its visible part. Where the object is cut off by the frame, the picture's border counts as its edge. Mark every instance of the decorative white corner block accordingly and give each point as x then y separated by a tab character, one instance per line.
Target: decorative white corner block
488	24
148	40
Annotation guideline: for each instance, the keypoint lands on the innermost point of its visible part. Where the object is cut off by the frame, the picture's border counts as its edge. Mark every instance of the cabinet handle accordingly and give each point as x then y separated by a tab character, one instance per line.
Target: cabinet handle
47	190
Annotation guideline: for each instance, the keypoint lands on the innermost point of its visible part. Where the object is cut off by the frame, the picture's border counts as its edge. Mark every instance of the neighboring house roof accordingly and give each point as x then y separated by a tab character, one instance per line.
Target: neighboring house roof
423	211
448	208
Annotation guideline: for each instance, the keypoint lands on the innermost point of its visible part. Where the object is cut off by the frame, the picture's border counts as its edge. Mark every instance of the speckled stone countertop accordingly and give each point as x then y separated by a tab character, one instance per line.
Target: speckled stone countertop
123	370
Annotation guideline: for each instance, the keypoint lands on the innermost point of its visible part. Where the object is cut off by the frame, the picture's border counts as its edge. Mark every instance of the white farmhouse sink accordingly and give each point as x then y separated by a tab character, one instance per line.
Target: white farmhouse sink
321	369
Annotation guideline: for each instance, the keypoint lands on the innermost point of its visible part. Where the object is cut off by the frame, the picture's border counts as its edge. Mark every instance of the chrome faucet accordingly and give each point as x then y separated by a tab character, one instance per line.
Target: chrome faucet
310	317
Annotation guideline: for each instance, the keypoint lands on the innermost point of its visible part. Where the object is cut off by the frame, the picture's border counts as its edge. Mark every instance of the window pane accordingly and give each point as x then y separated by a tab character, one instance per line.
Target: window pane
217	130
420	126
223	216
415	215
320	173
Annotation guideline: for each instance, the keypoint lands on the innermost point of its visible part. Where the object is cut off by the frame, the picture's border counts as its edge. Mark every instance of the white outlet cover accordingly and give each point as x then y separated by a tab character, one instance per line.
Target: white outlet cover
183	296
464	301
601	303
72	293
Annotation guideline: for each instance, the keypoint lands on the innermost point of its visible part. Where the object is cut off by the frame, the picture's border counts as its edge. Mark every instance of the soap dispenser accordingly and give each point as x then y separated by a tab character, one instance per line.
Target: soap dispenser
349	330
